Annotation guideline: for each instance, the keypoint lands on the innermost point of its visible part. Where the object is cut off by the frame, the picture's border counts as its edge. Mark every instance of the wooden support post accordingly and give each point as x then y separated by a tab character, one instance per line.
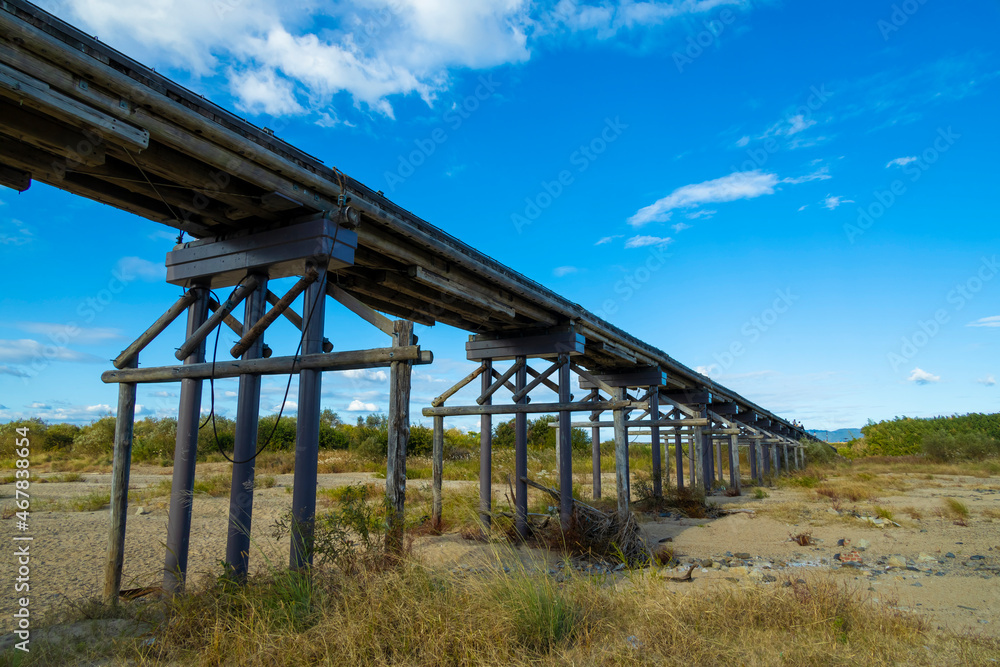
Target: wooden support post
121	463
759	457
752	457
654	432
399	436
708	461
486	452
437	464
695	458
521	456
555	425
245	446
197	338
155	330
185	452
775	465
622	482
717	448
255	329
595	455
307	424
788	464
679	457
734	464
565	443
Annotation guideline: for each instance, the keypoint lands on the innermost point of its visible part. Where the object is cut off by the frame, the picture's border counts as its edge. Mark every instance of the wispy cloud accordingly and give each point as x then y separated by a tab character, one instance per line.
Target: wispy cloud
609	239
920	376
26	350
987	381
77	334
561	271
704	213
16	372
991	321
900	162
643	241
738	185
831	202
132	268
680	227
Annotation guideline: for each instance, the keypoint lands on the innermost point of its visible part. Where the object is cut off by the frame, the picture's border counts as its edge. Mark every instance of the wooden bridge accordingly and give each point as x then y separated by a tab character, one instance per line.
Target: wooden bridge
82	117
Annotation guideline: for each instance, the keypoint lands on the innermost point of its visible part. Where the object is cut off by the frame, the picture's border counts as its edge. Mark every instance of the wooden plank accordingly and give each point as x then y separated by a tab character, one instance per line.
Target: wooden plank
437	465
521	408
121	465
622	482
70	144
543	345
333	361
459	290
637	377
724	408
691	397
36	94
234	324
455	388
15	179
377	320
399	436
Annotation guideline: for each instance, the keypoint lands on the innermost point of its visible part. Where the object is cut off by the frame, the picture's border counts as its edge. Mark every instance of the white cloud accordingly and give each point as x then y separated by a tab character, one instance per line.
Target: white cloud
16	372
900	162
789	126
132	268
821	174
14	232
643	241
680	227
706	370
291	53
920	376
607	19
71	332
987	381
738	185
561	271
39	406
831	202
802	208
359	406
163	394
991	321
704	213
743	141
368	374
608	239
26	350
289	407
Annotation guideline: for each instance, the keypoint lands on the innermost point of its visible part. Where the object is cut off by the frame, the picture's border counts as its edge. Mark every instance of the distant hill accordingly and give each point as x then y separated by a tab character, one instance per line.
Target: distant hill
840	435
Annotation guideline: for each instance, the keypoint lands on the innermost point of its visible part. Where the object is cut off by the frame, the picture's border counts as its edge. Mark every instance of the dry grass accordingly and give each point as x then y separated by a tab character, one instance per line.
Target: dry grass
955	509
848	490
415	616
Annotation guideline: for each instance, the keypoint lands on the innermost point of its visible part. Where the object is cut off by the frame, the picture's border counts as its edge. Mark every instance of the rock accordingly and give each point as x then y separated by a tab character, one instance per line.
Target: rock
141	511
918	584
926	558
896	561
742	555
716	565
666	539
769	578
707	563
843	542
949	555
786	584
977	557
862	545
739	570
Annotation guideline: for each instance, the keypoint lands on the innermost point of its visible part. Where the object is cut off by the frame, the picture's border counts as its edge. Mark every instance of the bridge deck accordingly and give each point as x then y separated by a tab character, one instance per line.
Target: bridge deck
82	117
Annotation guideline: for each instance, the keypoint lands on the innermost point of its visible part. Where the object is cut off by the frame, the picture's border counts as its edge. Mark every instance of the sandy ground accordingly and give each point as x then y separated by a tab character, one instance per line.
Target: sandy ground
947	573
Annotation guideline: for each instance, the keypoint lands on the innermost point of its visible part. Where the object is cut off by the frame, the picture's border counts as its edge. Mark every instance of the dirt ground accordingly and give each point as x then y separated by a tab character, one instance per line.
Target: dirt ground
919	560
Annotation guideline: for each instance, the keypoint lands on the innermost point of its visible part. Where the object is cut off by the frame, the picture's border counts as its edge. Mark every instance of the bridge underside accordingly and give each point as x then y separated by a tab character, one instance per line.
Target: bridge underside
80	116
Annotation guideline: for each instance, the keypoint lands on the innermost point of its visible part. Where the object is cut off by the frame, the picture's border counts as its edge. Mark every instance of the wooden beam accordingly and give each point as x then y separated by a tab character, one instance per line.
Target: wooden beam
448	393
543	345
15	179
377	320
334	361
235	299
258	327
399	436
157	327
636	377
73	146
121	463
462	291
501	381
522	408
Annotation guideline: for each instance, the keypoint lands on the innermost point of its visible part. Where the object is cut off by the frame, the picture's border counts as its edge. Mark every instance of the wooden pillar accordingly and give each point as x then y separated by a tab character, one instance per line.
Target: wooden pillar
679	457
564	440
437	464
486	451
245	444
521	455
120	467
595	455
788	463
558	447
307	427
185	452
759	457
622	482
752	457
734	464
775	464
695	458
717	448
654	430
399	435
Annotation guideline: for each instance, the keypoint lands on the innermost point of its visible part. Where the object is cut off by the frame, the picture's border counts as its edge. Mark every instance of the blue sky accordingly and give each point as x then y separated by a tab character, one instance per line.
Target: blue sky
797	198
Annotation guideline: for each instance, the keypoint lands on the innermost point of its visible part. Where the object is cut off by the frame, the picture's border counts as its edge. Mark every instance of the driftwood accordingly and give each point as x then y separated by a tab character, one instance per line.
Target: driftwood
605	535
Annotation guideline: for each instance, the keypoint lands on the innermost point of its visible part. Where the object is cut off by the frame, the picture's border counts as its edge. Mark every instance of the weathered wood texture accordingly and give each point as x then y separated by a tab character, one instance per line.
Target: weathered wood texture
120	467
399	435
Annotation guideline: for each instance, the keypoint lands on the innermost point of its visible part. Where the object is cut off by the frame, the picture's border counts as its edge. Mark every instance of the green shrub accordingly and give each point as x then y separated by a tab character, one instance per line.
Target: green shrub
95	440
59	437
943	446
818	452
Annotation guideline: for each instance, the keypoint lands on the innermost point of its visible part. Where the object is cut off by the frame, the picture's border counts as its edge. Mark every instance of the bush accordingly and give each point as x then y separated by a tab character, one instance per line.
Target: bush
59	437
95	440
818	452
943	446
154	439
